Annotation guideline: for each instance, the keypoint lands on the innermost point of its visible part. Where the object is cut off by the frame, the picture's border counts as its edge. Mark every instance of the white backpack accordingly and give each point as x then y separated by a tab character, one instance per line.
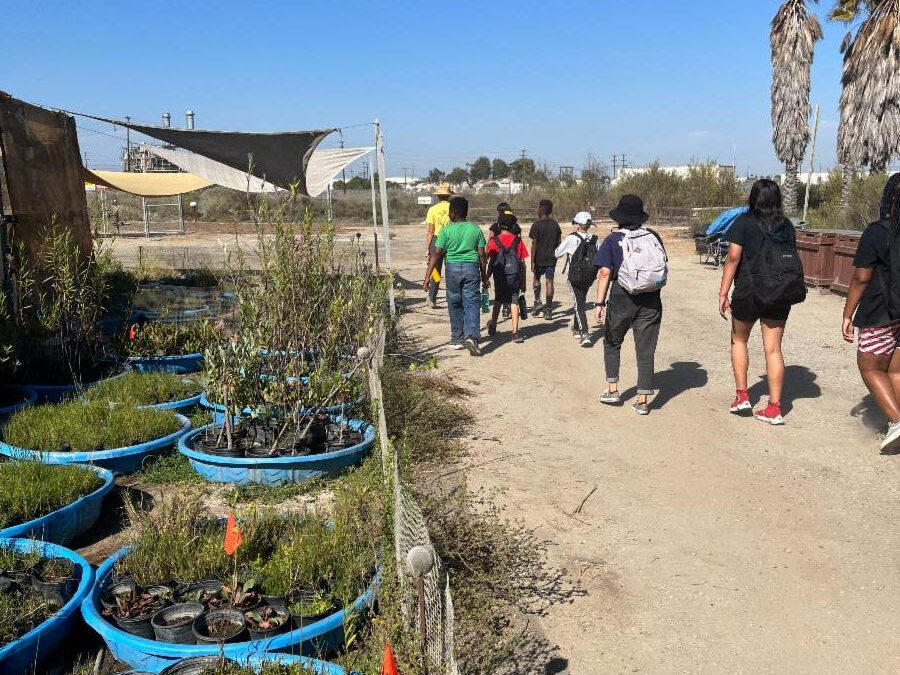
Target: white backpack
645	265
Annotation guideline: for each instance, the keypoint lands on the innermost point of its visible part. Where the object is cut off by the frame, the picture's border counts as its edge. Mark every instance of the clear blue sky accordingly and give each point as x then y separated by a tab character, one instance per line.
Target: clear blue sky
653	79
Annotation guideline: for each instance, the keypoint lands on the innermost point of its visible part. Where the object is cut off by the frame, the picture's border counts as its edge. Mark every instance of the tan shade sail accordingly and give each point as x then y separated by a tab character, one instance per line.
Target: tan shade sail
147	184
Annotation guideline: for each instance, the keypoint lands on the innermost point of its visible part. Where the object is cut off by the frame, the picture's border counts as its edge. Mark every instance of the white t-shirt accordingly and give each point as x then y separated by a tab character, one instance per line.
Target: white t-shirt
571	243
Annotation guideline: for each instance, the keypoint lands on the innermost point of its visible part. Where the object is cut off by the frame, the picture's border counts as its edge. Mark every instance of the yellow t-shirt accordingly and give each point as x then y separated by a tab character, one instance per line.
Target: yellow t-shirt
438	216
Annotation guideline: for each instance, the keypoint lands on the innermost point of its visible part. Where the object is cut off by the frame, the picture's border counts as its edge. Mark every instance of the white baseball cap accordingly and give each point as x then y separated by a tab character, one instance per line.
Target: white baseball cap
583	218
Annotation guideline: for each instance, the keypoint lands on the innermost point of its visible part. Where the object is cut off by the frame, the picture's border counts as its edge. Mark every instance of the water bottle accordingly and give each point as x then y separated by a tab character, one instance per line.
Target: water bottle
485	301
523	307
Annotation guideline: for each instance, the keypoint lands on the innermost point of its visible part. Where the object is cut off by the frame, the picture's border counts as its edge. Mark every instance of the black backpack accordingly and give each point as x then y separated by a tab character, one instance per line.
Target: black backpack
890	278
777	272
582	270
508	262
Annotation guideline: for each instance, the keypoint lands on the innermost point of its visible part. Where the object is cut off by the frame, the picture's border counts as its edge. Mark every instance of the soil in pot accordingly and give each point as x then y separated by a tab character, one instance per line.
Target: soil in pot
54	579
198	665
173	624
219	625
133	615
266	621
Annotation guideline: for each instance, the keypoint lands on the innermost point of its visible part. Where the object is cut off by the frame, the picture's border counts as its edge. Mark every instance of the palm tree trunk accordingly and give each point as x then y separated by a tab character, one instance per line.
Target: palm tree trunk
846	179
790	188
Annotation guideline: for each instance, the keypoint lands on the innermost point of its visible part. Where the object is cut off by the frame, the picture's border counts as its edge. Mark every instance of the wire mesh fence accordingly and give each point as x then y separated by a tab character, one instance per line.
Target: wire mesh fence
435	626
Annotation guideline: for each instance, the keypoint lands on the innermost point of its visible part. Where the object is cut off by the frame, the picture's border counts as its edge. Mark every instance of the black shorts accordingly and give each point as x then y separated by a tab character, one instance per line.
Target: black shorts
747	310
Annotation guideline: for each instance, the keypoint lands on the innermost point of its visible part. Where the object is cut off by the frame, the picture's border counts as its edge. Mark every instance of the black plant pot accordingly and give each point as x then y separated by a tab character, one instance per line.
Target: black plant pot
229	626
164	592
197	665
304	620
173	623
57	591
262	634
188	592
123	588
139	625
262	453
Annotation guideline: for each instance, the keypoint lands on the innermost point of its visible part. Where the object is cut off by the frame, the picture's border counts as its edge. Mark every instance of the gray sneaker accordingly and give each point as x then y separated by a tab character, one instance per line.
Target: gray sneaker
548	314
472	346
610	397
641	408
586	340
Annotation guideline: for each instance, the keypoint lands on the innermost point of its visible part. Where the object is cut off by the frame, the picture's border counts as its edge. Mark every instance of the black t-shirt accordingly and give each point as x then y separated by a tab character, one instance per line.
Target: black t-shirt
873	253
746	232
546	236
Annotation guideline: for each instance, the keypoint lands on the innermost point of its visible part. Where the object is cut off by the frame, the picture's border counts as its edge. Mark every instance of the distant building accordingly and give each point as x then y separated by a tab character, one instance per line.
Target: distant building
681	171
817	178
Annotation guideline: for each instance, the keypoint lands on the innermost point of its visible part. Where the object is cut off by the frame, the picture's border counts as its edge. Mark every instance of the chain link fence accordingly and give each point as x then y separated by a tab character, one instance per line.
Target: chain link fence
410	531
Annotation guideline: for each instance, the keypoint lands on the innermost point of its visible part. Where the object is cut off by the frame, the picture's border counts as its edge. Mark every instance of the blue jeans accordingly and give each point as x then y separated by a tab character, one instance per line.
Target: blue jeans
464	300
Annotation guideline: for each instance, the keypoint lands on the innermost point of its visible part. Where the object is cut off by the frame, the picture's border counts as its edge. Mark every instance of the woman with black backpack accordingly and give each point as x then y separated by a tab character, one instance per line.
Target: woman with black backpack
506	257
872	309
765	268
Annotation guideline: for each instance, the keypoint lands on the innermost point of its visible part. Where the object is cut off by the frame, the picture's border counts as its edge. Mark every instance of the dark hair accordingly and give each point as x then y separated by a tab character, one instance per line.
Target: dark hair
765	203
545	207
503	206
459	206
506	221
887	197
493	229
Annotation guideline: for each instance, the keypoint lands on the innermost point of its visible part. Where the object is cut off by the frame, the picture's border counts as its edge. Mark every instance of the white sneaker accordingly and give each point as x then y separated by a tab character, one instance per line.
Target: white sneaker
891	438
610	397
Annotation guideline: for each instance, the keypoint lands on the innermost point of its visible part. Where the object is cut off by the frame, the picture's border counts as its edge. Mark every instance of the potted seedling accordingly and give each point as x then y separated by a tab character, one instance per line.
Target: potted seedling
267	621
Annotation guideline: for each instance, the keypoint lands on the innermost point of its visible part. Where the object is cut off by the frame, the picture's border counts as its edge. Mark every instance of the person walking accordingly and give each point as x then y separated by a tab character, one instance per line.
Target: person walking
436	219
633	268
462	244
580	248
506	258
867	311
765	268
545	237
504	208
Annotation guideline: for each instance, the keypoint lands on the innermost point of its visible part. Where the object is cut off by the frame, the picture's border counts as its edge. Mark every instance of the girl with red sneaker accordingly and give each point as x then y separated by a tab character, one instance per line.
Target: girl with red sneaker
763	227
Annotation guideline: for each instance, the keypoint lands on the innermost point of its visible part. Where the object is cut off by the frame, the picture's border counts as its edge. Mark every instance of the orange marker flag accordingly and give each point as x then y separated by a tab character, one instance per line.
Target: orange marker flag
233	536
388	667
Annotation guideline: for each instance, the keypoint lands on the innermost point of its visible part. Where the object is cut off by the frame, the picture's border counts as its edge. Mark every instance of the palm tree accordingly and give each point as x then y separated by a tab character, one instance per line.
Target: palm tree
869	131
793	37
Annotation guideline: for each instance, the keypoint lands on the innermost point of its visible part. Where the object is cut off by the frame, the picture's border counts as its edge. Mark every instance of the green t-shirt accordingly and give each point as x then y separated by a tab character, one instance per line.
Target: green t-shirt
461	241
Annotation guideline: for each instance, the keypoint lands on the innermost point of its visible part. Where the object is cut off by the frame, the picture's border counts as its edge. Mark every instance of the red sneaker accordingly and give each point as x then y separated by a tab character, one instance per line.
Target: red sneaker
771	414
741	402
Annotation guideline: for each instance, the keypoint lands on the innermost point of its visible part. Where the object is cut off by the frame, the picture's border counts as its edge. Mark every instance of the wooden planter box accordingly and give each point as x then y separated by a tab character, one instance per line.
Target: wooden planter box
844	251
817	255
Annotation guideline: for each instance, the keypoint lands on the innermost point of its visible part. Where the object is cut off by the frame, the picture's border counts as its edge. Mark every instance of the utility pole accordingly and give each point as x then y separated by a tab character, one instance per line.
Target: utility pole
404	178
343	171
812	157
618	164
127	145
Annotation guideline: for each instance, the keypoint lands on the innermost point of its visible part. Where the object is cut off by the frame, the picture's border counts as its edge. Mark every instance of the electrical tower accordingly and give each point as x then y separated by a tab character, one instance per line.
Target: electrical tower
619	162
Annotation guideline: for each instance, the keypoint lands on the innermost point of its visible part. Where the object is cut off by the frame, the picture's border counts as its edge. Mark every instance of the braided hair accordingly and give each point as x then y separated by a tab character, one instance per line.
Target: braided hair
887	197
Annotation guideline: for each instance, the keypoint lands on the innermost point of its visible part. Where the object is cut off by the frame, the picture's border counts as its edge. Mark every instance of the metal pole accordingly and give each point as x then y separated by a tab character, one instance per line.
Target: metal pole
127	145
181	213
374	212
812	156
423	625
385	220
146	218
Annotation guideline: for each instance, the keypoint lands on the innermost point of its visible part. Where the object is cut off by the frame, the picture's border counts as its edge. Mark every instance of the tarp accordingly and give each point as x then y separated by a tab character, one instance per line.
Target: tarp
724	220
147	184
323	167
280	158
42	173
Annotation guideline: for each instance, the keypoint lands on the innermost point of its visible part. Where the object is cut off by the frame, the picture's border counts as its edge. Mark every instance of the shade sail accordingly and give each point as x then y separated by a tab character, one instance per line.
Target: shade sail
147	184
323	167
279	158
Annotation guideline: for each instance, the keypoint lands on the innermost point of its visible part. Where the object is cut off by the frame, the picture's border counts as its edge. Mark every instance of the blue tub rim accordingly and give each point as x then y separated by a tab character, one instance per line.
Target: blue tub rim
237	650
38	524
31	396
278	462
82	592
88	457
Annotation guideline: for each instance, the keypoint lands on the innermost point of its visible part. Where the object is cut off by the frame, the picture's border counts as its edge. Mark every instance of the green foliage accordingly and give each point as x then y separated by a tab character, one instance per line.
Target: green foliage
20	610
480	169
134	388
75	426
29	490
499	168
436	176
863	202
705	185
458	176
163	338
169	467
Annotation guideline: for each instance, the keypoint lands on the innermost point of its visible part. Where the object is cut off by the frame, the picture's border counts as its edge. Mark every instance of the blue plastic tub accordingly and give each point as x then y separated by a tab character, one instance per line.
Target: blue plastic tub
150	656
53	393
63	525
29	398
276	470
312	665
117	460
180	363
181	406
26	653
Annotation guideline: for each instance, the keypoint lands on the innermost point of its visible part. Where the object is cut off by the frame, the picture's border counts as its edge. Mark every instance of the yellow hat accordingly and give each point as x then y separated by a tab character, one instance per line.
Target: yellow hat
443	189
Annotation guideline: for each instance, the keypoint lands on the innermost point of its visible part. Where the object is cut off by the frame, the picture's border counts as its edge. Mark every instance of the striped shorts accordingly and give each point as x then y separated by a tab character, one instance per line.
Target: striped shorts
880	340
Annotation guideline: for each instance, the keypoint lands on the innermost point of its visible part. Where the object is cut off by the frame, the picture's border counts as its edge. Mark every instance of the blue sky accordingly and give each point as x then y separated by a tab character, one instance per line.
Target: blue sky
672	81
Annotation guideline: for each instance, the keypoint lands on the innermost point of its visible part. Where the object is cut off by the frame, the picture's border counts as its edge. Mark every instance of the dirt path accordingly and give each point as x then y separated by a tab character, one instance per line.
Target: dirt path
712	544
